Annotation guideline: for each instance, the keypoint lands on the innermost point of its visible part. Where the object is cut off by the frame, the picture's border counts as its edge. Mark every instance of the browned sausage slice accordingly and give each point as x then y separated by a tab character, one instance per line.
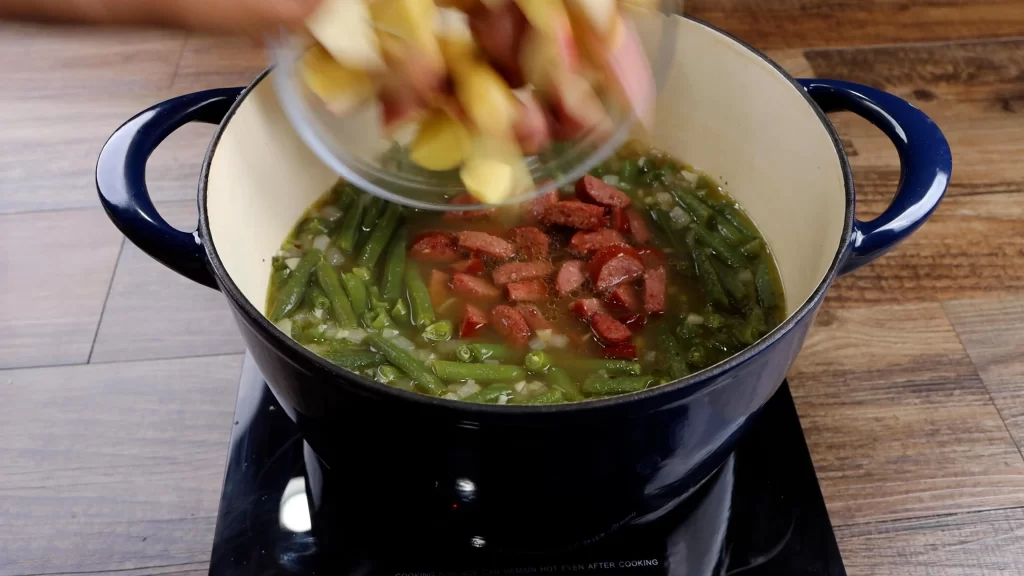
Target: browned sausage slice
486	244
520	271
576	215
597	191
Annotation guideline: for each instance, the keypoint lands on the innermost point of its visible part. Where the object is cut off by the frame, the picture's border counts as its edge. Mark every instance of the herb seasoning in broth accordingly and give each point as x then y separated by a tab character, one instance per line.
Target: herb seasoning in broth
642	274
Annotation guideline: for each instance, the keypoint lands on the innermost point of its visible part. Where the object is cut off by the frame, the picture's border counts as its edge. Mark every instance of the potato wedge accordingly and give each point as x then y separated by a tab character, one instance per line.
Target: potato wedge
341	88
344	28
441	144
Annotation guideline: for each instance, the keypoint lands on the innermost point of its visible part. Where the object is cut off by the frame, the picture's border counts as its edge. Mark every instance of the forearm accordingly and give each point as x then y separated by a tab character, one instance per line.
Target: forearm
218	15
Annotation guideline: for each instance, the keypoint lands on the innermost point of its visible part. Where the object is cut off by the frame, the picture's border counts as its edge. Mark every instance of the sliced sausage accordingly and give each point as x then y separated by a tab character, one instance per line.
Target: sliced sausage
634	322
651	256
520	271
613	266
473	320
534	317
584	308
398	108
596	191
620	221
435	247
638	227
438	286
532	127
498	29
535	290
609	330
468	286
619	352
571	277
530	242
510	323
654	290
535	209
463	215
576	215
474	266
577	109
625	296
589	242
486	244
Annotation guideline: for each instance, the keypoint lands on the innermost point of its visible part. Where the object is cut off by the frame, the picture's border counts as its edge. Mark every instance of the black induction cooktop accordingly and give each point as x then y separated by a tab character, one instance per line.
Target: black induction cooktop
760	514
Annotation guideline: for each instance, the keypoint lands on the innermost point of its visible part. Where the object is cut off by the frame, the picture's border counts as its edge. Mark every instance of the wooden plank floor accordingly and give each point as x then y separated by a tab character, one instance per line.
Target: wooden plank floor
117	378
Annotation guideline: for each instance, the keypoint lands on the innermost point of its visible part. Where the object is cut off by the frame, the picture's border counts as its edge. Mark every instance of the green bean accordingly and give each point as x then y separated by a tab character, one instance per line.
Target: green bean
700	211
370	217
315	226
553	396
757	320
379	237
726	253
537	361
377	320
387	373
356	289
394	267
745	333
611	367
401	312
733	285
627	175
560	380
439	331
736	216
490	394
764	284
623	385
278	278
341	307
464	354
492	352
316	297
671	353
354	361
664	222
349	233
752	249
486	373
419	299
425	380
294	288
709	279
345	195
713	319
732	233
365	273
697	356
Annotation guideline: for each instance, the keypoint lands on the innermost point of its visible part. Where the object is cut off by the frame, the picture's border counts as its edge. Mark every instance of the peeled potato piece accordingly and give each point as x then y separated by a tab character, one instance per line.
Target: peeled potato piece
341	88
549	46
441	144
495	171
488	101
344	28
410	47
599	15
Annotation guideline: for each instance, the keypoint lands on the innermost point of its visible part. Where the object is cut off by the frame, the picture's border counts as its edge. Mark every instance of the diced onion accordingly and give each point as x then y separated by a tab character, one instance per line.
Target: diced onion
533	388
468	389
449	346
679	217
389	333
642	161
292	263
453	396
502	400
650	356
611	179
356	335
518	386
403	342
559	340
318	313
330	213
663	198
491	361
334	256
689	176
331	332
695	319
744	275
321	242
649	200
537	344
285	325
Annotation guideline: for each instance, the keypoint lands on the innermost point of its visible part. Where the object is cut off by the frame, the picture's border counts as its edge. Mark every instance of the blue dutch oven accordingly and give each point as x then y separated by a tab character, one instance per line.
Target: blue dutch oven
408	466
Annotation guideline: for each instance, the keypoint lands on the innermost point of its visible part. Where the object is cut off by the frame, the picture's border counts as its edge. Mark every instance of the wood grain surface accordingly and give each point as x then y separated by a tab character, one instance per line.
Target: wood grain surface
910	388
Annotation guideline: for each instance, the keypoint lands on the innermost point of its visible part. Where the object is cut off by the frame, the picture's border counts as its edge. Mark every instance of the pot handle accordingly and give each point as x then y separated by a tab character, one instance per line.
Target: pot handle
926	164
121	180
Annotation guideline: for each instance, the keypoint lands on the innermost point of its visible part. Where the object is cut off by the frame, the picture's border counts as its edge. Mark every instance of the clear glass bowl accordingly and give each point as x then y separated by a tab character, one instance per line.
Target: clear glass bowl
356	148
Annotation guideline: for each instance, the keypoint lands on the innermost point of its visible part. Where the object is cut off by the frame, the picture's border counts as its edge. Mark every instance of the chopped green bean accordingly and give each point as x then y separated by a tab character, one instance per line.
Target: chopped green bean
317	299
537	361
419	298
698	357
610	367
375	319
752	249
379	237
726	253
560	380
733	234
394	267
374	209
341	307
490	394
400	312
315	226
700	211
709	278
464	354
353	360
764	284
439	331
365	273
733	285
736	216
492	352
425	380
628	173
387	373
553	396
485	373
294	288
671	353
623	385
356	289
349	233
